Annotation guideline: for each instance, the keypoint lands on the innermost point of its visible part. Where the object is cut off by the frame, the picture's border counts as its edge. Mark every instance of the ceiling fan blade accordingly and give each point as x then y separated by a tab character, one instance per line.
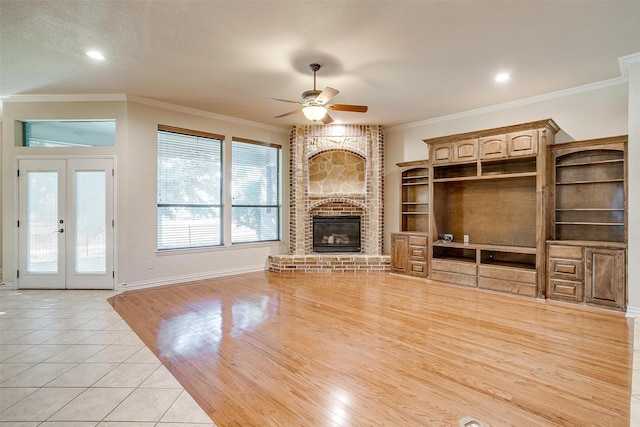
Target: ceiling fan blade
283	100
346	107
288	114
327	119
326	95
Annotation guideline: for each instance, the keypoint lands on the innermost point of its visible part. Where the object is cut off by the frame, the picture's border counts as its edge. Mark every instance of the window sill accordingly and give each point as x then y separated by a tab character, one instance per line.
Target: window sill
232	247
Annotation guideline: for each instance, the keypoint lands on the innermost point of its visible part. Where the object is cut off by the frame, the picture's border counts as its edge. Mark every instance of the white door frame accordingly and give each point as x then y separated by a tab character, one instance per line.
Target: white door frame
111	216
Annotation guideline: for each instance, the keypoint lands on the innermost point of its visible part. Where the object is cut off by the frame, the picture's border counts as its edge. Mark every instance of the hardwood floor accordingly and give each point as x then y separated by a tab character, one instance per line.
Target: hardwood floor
276	349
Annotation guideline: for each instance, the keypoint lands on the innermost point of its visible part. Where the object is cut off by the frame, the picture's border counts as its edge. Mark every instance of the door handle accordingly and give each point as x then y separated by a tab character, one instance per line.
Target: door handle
59	231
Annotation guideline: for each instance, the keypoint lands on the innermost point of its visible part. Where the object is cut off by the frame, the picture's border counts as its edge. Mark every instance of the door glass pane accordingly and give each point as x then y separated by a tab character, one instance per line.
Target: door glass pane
42	222
90	238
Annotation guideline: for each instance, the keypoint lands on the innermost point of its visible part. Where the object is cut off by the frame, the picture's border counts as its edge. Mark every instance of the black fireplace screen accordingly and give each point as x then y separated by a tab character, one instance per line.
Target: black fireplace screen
336	233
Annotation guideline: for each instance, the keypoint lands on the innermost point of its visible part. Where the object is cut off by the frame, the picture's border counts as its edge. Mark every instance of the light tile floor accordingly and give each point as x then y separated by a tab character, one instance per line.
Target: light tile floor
68	359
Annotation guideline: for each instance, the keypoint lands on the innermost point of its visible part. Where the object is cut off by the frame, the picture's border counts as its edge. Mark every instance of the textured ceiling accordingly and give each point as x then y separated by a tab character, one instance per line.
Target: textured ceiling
407	60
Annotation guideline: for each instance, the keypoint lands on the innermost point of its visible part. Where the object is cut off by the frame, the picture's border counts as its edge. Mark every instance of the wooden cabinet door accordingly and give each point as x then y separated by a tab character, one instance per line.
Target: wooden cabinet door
493	147
441	153
399	253
466	150
605	277
523	143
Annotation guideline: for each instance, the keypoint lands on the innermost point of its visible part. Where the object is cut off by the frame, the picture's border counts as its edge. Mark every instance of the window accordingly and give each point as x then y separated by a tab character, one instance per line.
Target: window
255	183
189	188
68	133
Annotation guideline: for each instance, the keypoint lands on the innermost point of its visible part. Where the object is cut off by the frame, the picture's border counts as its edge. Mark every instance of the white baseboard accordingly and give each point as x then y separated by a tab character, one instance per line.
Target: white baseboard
633	311
7	286
188	278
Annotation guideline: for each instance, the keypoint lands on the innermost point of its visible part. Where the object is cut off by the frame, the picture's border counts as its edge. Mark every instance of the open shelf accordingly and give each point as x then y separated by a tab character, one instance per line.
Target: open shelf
590	194
415	208
452	253
590	164
590	216
591	231
592	181
486	169
417	179
526	165
508	259
590	157
414	197
486	246
468	170
600	195
494	214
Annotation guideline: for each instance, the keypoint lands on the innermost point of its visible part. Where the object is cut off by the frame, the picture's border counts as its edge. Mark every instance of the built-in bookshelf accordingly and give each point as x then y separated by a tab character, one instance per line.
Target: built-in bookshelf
586	256
414	196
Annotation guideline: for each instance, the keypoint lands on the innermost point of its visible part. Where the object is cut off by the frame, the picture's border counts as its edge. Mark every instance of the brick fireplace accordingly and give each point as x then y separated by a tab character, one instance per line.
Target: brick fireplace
335	170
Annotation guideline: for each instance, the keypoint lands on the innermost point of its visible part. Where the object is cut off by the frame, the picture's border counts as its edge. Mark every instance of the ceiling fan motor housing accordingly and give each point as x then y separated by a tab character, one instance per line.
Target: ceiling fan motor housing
310	96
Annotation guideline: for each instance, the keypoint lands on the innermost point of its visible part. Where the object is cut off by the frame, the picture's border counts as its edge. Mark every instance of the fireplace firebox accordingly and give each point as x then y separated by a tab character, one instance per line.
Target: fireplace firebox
336	233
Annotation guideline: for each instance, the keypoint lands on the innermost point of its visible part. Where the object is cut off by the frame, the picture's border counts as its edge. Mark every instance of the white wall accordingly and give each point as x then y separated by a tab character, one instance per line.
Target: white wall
135	150
139	229
592	112
1	207
633	254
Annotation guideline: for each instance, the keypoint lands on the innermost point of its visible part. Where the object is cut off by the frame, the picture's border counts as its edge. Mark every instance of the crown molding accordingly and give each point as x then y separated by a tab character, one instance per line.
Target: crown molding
517	103
201	113
624	63
88	97
122	97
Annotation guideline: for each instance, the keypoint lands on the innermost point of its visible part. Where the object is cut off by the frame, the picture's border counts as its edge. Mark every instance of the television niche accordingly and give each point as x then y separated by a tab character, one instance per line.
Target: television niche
336	233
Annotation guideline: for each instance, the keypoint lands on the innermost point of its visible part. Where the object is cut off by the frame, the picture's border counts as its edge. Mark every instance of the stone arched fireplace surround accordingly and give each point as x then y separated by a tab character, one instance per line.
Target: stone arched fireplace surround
335	170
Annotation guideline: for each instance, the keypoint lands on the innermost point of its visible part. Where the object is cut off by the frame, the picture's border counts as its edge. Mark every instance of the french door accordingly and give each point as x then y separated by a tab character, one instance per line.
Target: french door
65	224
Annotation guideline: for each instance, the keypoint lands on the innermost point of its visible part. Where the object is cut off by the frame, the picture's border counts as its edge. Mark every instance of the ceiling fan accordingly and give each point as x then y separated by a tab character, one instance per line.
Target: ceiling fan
315	103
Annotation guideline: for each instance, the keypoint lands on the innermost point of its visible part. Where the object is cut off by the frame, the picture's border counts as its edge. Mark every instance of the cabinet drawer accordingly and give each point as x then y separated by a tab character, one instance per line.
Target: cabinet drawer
454	267
566	290
507	286
567	269
418	253
418	240
571	252
509	274
457	279
418	268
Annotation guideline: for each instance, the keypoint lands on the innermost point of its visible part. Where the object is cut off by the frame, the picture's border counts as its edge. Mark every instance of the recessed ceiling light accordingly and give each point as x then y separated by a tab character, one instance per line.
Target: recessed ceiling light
502	77
94	54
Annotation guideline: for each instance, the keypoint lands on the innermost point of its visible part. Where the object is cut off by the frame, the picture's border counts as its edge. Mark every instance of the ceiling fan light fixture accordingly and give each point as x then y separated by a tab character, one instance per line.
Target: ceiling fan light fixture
314	112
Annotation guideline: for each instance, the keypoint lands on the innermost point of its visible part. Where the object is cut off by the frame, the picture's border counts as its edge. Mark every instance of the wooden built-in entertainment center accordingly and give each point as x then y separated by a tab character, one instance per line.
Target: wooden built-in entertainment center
509	210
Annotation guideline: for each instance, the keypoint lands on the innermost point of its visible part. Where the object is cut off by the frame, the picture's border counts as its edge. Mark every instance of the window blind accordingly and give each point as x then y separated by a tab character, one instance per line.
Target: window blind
256	198
189	189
